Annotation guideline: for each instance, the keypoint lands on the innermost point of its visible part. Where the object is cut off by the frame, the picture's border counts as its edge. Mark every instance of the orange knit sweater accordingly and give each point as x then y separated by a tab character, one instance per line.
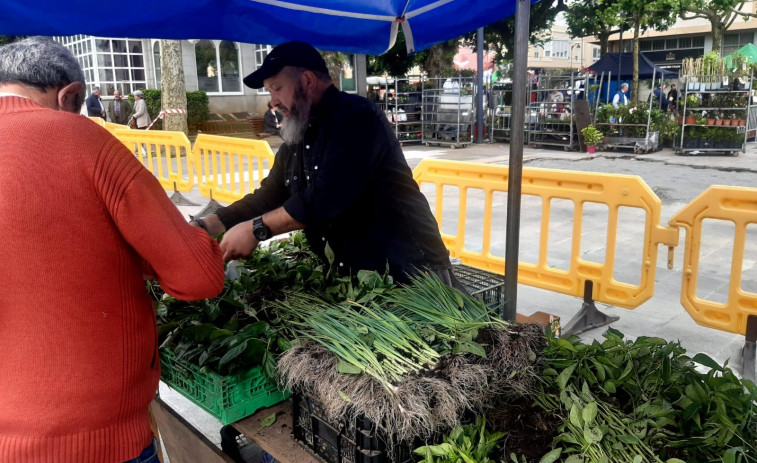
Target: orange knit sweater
79	217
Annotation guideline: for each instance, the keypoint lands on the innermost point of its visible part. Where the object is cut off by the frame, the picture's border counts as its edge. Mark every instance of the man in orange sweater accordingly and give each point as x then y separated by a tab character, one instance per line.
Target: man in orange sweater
82	221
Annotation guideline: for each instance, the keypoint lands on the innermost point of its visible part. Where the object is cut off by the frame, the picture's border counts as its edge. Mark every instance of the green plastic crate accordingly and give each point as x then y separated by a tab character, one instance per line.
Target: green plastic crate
228	398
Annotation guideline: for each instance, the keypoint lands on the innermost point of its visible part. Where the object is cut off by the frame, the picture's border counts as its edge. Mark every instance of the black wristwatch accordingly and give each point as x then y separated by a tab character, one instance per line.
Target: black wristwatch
260	230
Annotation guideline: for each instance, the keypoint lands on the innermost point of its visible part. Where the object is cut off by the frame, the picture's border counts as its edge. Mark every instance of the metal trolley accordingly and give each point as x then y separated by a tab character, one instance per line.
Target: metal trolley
448	112
717	122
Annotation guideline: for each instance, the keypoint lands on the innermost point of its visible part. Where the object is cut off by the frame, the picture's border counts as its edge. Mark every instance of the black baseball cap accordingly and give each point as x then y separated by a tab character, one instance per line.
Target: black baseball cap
298	54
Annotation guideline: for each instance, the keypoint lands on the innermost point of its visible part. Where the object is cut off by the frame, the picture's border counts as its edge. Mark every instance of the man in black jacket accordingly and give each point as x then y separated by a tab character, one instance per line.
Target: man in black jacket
340	175
95	106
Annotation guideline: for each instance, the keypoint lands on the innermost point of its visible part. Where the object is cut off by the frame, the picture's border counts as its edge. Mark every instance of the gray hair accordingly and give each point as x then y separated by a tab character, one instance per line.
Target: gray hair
40	63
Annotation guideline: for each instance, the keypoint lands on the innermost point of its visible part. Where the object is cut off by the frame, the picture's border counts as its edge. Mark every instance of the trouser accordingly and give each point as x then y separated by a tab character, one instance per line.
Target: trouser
148	455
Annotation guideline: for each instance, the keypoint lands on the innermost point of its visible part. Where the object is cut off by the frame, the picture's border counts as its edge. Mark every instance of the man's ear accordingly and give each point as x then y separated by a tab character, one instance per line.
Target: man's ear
310	81
71	97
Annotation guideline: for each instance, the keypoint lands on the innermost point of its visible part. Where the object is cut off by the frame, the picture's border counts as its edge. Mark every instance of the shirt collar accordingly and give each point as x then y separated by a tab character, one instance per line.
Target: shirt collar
2	94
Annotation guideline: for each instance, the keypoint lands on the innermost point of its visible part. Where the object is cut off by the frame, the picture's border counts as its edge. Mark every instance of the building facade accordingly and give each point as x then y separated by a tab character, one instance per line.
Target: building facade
560	51
213	66
688	38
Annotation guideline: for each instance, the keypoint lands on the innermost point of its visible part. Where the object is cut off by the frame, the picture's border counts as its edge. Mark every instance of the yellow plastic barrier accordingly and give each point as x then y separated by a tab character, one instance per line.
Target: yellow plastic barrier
581	188
229	168
168	155
739	206
108	125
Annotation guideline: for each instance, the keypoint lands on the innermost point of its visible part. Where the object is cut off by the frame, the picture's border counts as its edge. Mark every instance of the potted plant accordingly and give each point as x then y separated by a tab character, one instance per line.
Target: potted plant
592	137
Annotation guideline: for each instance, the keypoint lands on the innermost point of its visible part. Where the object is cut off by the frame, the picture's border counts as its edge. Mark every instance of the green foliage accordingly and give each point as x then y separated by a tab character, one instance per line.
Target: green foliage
396	61
465	444
500	35
232	331
599	18
198	108
6	39
389	333
622	399
592	136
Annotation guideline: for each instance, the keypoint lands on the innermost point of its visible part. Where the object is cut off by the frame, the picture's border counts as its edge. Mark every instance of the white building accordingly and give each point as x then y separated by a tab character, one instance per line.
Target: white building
213	66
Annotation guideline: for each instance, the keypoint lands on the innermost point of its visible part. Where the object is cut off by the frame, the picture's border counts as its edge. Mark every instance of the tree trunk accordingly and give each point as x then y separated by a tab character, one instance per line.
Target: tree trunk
174	90
635	83
604	45
717	33
334	61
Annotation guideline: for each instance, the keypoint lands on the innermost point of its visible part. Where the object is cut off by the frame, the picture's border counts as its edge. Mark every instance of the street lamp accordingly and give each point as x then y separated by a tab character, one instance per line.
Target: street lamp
572	46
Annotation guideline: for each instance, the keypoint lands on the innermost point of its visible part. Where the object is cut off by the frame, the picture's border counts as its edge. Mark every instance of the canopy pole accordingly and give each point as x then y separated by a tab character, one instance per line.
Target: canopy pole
515	171
480	85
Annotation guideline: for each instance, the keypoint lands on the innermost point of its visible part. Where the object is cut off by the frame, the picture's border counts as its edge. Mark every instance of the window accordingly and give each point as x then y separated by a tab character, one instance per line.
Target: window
645	45
658	44
217	66
111	64
548	50
547	53
536	53
684	42
261	51
732	42
560	49
671	44
207	66
595	53
156	62
229	53
347	79
697	42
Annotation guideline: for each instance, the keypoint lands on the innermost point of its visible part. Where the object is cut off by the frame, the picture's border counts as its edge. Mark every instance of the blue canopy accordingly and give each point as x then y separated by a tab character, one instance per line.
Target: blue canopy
609	63
356	26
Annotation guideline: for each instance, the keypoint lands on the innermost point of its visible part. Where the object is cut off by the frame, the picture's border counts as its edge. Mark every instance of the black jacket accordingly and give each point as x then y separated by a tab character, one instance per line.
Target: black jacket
93	106
349	183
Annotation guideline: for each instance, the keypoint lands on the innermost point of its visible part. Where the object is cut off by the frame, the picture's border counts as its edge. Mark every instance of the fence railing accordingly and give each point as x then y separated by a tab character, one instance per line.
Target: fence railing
579	189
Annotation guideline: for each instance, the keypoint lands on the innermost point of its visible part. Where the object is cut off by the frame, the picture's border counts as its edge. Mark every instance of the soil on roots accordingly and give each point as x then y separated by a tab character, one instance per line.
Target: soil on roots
529	429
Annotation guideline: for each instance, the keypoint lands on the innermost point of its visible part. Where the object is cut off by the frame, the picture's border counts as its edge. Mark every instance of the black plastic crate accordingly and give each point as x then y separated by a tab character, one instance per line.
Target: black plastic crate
344	442
487	286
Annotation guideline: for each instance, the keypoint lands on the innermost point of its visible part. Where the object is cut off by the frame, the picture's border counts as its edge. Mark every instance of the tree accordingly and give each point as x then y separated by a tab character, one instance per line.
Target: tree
641	15
500	36
6	39
599	18
174	91
720	13
396	61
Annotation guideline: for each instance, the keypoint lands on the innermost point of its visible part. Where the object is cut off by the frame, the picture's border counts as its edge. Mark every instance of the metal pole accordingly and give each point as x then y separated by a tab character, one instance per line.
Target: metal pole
480	85
515	171
620	54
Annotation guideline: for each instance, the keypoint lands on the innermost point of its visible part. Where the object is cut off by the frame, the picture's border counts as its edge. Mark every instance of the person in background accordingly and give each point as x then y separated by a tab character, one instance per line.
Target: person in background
140	116
556	98
272	120
119	109
660	100
340	175
95	104
673	98
621	96
81	230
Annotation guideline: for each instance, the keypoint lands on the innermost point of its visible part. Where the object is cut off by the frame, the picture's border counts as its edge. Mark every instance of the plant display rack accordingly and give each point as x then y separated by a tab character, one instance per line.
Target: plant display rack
500	115
549	123
448	112
402	105
715	112
649	142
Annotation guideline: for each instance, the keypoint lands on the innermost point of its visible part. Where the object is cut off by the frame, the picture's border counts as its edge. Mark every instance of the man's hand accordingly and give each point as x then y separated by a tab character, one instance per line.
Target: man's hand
238	242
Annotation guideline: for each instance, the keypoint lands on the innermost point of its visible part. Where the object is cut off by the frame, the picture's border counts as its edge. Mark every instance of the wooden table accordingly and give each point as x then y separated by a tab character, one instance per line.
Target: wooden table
276	439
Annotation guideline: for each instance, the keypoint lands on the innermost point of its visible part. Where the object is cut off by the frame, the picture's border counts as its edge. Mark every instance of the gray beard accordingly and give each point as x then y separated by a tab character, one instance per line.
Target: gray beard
294	126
